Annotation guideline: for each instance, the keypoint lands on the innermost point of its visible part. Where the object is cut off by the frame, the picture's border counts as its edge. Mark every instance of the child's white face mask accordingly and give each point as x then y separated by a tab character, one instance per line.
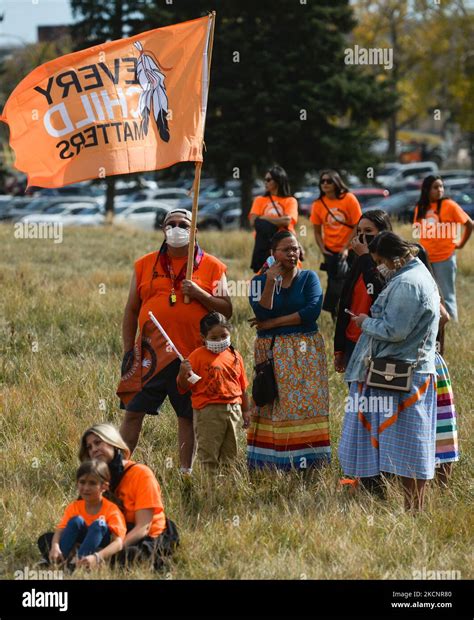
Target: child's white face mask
218	346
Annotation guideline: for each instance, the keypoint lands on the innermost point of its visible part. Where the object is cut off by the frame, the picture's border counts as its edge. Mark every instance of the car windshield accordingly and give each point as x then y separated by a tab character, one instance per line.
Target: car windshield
55	210
388	170
87	211
119	210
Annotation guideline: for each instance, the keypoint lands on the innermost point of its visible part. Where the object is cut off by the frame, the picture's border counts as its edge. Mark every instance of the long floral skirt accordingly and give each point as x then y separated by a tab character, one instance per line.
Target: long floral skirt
292	432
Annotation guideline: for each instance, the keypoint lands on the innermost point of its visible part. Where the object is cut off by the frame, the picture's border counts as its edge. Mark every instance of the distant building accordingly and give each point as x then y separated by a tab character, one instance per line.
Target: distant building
48	34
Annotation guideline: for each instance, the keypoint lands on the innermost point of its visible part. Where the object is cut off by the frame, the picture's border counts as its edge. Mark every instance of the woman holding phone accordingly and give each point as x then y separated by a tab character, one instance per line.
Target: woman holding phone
361	287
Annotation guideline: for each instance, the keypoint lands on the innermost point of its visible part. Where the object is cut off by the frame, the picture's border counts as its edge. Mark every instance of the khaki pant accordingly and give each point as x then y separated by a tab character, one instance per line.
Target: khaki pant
216	427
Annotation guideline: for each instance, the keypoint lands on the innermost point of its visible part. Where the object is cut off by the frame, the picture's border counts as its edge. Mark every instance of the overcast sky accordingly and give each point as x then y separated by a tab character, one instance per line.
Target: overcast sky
21	18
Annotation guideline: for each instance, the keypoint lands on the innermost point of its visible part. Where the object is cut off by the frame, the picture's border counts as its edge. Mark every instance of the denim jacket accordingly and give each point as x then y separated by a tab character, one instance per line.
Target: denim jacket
404	313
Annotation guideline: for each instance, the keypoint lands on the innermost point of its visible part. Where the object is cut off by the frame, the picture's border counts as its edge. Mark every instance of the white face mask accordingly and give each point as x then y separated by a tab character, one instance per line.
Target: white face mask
177	237
385	272
218	346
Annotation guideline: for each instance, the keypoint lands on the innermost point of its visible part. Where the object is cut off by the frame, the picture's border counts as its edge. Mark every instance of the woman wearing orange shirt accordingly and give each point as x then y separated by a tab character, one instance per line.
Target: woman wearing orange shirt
334	216
437	224
149	533
276	210
149	370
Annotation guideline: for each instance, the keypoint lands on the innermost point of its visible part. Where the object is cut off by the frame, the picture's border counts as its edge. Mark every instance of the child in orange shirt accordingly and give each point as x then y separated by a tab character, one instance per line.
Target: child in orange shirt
219	398
93	521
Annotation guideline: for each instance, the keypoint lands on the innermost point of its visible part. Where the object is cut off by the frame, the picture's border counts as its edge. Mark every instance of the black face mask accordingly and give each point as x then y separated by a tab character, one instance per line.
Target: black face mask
366	239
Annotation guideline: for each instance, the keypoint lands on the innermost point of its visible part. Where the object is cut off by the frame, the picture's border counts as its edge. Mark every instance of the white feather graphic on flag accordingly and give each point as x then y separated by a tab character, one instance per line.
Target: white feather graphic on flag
153	98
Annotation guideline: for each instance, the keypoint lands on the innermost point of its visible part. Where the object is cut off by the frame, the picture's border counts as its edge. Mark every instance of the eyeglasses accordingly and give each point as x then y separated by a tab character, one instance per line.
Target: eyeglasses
184	225
327	181
268	179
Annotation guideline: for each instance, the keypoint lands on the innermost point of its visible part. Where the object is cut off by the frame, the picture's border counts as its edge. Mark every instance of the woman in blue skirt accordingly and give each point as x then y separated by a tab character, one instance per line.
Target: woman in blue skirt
387	431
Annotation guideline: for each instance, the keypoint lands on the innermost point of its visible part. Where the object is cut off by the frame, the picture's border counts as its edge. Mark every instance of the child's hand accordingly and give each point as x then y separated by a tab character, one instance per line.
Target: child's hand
185	369
246	417
88	561
55	554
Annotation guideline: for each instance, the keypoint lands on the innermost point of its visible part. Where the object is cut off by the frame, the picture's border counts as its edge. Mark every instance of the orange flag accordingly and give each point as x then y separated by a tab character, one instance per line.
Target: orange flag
130	105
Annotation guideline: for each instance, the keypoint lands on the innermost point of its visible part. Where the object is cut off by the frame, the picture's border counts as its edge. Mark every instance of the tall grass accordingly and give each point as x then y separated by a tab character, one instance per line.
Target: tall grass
61	310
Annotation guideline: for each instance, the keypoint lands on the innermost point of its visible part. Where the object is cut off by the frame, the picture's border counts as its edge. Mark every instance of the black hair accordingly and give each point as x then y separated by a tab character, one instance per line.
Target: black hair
341	187
379	218
277	237
280	177
211	320
390	246
423	203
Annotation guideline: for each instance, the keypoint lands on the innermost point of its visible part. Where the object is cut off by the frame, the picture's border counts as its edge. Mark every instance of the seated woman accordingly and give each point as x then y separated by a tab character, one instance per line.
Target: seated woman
150	535
387	431
293	431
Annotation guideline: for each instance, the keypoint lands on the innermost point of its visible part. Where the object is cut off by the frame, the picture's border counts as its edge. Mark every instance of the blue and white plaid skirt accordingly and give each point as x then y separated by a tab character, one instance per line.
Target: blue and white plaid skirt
392	432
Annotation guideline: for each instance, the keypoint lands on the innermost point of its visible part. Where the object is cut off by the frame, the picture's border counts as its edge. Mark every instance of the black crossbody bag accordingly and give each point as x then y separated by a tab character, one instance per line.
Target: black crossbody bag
264	388
389	374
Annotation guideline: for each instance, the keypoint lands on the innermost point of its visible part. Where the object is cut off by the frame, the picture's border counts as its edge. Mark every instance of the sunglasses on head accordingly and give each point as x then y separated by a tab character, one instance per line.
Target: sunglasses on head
327	181
178	224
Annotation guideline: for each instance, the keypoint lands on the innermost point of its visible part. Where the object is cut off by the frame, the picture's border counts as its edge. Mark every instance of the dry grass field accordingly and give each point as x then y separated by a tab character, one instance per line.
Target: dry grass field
60	338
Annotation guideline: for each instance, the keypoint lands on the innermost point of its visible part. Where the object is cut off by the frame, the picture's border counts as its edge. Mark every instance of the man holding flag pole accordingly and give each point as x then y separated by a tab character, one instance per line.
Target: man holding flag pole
126	106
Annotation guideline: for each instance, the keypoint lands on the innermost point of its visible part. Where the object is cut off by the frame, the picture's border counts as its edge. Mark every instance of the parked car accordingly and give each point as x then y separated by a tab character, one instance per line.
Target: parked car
305	198
370	195
210	217
77	214
140	215
400	205
41	205
394	176
231	219
465	199
85	188
170	196
231	189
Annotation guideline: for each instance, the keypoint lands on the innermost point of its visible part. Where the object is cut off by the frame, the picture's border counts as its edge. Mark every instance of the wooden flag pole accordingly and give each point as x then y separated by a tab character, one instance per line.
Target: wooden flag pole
197	177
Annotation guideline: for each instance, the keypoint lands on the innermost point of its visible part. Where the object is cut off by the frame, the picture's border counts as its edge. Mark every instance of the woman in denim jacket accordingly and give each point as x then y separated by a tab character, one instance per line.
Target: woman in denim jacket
386	431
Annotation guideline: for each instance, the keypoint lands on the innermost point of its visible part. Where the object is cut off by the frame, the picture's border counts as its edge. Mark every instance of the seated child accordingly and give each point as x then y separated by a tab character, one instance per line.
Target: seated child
93	522
217	397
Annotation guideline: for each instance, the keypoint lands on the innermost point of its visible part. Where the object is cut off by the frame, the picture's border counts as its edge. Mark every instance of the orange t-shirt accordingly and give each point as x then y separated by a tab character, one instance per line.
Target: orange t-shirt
223	378
286	206
109	511
139	490
438	233
360	304
180	321
345	209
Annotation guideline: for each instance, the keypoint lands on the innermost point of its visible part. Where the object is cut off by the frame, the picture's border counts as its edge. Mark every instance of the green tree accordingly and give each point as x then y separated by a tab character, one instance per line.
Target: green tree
98	21
280	90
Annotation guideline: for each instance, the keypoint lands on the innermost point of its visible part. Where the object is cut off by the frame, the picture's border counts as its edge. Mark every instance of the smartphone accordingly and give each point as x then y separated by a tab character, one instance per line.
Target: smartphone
349	312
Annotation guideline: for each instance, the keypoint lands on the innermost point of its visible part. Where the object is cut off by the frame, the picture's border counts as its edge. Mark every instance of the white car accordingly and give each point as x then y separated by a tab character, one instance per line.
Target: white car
140	215
77	214
170	196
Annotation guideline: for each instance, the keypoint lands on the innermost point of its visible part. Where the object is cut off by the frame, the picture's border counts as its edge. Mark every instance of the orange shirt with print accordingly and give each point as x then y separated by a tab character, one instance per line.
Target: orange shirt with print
439	231
345	209
109	511
223	378
263	205
139	490
180	321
